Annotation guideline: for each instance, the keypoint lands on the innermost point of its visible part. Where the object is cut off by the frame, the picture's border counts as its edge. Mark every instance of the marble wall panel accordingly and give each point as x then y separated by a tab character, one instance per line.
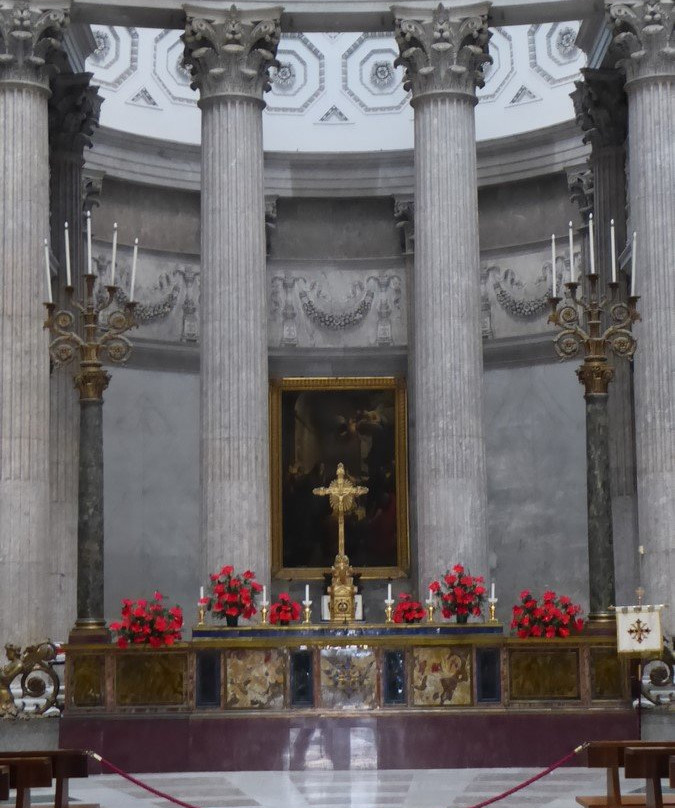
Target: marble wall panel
255	679
441	677
348	678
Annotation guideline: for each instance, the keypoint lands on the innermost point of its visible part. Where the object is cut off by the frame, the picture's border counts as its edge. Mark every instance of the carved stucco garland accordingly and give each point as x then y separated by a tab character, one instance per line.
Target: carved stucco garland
336	322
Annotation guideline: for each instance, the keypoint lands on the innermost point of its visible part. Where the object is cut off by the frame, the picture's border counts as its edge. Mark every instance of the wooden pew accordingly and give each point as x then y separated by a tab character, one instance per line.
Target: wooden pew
672	772
26	773
609	755
650	762
65	763
4	782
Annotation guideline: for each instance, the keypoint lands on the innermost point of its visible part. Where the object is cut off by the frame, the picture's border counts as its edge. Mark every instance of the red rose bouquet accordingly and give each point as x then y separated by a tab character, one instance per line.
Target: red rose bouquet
284	610
148	623
407	610
461	594
553	617
233	596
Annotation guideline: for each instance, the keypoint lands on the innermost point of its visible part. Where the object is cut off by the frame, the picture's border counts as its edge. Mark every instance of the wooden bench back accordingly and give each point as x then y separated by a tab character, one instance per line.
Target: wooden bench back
65	763
4	782
607	754
30	772
647	761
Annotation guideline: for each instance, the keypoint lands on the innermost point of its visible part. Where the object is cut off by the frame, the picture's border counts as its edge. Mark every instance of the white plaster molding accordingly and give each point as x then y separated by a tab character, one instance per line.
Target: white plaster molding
166	164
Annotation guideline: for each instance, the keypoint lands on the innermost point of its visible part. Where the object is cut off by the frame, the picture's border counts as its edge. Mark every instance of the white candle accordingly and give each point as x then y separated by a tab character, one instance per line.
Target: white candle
201	592
633	265
591	235
388	591
431	596
67	239
306	593
49	272
573	273
133	271
613	244
114	256
492	591
264	594
89	270
553	263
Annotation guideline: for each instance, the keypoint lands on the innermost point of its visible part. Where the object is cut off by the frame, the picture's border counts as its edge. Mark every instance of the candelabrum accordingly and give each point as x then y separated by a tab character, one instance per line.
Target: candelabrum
201	614
388	610
264	610
595	326
430	611
88	335
307	612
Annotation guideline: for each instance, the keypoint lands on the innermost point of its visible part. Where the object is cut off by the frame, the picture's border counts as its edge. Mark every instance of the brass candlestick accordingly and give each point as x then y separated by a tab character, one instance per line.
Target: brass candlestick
388	609
492	607
263	613
607	322
430	611
307	612
87	335
201	613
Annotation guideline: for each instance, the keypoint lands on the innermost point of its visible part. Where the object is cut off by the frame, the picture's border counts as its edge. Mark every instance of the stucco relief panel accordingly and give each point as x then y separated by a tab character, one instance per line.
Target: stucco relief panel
369	77
115	57
553	54
335	307
515	289
300	78
501	71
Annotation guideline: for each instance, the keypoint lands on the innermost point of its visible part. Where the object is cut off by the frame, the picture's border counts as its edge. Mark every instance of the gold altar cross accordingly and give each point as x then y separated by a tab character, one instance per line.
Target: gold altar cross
342	494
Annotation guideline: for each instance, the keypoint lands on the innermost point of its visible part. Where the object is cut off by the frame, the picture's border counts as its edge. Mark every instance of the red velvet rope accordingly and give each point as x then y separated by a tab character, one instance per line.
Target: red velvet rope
501	796
534	779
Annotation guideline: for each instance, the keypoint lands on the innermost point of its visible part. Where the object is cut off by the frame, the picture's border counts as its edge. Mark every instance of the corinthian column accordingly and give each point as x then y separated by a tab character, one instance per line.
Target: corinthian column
443	53
28	38
643	35
229	58
73	115
602	113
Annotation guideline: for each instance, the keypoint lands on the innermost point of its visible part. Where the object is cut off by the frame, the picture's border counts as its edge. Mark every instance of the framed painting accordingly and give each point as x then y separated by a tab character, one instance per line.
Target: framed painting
317	423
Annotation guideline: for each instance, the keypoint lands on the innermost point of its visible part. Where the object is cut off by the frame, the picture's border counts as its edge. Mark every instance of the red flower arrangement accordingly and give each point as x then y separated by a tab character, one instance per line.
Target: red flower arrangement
461	594
553	617
407	610
233	595
284	610
146	623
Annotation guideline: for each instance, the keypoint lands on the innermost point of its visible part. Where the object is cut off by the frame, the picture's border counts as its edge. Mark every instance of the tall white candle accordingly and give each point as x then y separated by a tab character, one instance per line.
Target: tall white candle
264	600
201	592
431	596
67	241
553	262
612	234
388	591
573	273
89	270
133	271
633	265
49	272
591	246
114	255
492	591
306	593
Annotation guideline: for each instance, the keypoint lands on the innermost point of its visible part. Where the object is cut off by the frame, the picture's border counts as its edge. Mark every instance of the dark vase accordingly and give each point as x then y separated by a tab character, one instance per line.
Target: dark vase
462	619
232	620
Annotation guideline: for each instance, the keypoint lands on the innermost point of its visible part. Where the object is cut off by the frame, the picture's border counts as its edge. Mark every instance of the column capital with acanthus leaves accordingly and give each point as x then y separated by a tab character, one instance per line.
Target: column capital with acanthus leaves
443	50
230	54
30	38
643	37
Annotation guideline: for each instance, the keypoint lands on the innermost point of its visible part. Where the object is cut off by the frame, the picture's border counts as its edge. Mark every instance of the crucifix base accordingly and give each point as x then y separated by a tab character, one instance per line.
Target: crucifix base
342	591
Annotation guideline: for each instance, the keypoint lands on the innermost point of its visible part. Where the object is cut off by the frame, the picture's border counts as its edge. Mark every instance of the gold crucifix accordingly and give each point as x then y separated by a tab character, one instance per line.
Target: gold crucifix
342	494
342	590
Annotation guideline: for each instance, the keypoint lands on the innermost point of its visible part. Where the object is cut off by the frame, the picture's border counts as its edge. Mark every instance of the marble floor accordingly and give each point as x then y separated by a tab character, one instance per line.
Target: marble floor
438	788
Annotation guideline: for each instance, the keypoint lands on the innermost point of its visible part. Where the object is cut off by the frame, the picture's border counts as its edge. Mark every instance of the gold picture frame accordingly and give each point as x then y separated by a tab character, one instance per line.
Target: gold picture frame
387	501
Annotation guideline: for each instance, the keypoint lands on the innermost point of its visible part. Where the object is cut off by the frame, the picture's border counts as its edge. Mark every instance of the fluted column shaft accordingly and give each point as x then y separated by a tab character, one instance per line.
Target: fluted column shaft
24	360
643	36
73	113
448	456
230	69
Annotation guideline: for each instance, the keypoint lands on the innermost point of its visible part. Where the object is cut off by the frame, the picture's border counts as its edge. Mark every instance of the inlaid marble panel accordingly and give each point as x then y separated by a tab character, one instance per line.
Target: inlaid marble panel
151	679
348	678
255	679
441	676
544	674
87	680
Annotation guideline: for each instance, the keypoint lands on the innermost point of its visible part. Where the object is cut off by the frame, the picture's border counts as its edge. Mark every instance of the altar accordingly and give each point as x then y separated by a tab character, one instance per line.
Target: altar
347	696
